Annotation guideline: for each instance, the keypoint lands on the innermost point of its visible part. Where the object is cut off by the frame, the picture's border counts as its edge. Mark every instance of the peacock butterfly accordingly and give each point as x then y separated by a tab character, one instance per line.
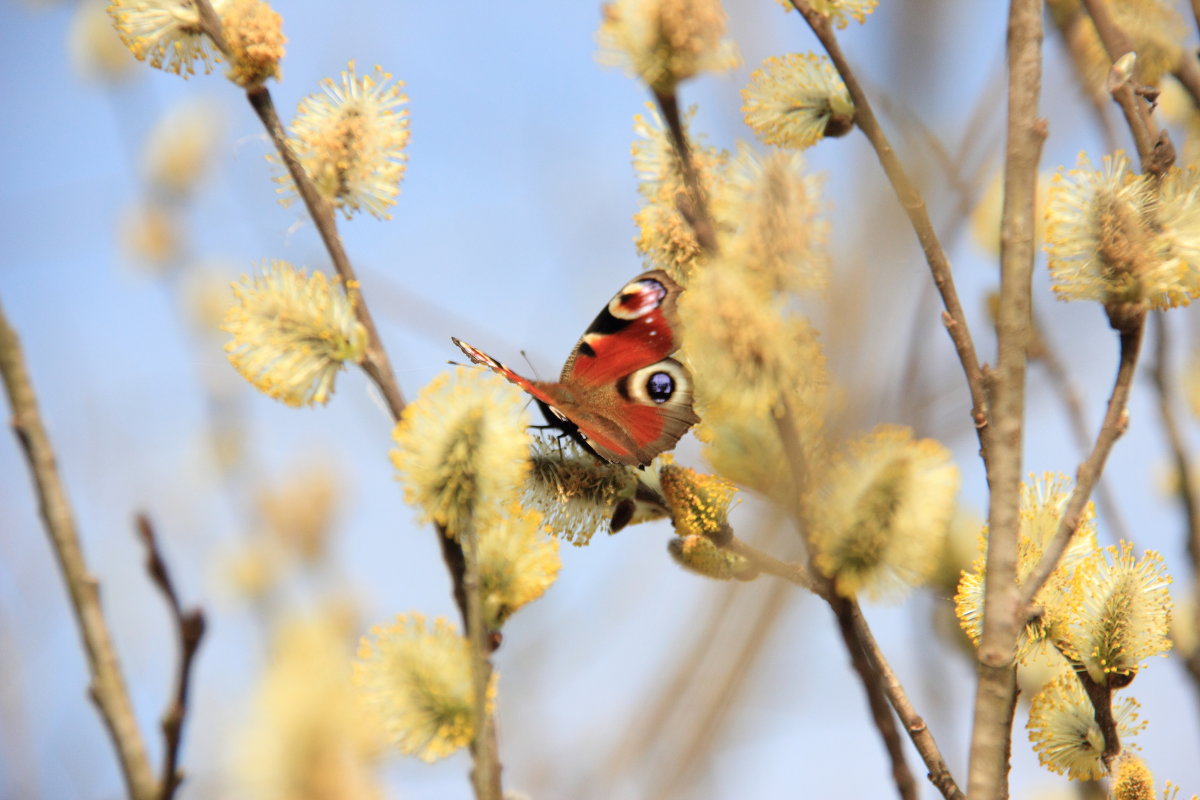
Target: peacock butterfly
620	395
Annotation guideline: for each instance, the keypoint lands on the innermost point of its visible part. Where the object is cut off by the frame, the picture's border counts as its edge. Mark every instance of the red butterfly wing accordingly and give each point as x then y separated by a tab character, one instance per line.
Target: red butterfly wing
628	400
634	330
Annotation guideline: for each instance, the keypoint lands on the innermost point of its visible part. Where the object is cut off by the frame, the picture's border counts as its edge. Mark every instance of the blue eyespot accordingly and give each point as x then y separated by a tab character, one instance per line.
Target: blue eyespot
660	386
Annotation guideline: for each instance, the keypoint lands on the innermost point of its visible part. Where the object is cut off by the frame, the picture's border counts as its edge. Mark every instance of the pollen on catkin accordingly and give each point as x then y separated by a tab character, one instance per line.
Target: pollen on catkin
1062	726
796	101
665	236
574	491
1110	240
840	12
1132	779
1042	503
880	512
292	333
418	677
663	42
699	503
518	561
254	33
770	211
166	34
462	451
1121	611
350	139
748	351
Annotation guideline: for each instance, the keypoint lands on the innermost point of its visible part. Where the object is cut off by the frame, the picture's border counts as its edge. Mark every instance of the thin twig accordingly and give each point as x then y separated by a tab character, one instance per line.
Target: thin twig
876	699
1100	695
485	770
914	205
1129	322
769	565
918	731
1003	616
108	690
189	630
1116	418
696	210
375	362
939	773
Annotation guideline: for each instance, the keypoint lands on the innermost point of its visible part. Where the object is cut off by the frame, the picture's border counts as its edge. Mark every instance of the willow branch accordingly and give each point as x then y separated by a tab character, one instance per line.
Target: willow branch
876	699
1116	419
1129	322
918	731
1100	695
696	209
880	670
910	198
375	362
1003	616
108	690
485	772
189	631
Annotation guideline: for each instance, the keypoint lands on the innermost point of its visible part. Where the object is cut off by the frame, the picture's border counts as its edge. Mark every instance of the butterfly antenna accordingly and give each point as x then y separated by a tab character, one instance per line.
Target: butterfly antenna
529	364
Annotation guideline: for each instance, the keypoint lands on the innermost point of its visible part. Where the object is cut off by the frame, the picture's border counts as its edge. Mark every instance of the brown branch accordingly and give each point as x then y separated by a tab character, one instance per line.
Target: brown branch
108	690
485	769
375	363
914	206
880	670
696	209
918	732
995	694
876	698
189	630
1116	418
1100	695
769	565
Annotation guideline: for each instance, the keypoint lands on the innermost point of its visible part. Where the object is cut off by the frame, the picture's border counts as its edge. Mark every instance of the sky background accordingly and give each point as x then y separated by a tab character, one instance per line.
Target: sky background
513	228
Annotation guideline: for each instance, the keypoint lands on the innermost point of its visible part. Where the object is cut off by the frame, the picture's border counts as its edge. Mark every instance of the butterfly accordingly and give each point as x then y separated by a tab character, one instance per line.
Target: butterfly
620	394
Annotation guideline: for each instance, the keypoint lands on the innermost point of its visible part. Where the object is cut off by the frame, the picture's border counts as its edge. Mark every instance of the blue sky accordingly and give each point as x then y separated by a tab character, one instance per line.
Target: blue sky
513	228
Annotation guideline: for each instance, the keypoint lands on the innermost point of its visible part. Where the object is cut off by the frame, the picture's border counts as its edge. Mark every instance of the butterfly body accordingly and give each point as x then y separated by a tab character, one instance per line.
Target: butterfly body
620	392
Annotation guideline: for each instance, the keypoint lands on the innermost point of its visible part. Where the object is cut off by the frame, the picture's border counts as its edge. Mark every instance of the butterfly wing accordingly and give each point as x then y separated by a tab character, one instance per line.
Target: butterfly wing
479	357
619	391
634	401
635	329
